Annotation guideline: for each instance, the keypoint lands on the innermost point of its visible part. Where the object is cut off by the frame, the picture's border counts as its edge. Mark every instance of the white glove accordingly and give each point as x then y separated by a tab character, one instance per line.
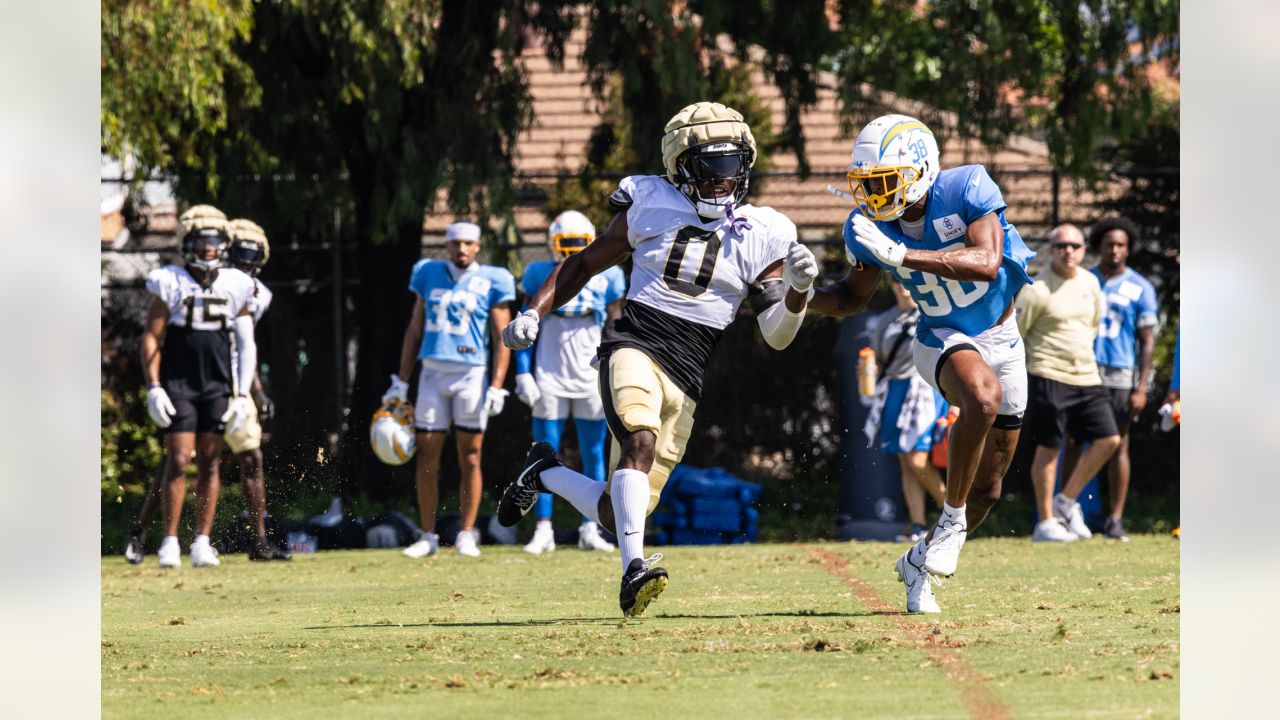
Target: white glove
870	237
800	268
1167	422
526	389
159	407
399	390
522	331
238	411
494	400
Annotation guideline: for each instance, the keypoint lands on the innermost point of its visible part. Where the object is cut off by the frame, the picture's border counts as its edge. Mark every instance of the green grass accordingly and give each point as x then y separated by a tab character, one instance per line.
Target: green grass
1089	630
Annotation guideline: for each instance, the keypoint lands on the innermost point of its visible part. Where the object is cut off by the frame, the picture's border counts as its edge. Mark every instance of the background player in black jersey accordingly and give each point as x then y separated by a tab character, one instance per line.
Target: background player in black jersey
186	357
697	252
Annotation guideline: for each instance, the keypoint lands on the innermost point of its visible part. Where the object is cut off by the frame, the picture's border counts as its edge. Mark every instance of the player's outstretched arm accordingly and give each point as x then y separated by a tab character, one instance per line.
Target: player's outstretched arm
849	295
979	259
569	277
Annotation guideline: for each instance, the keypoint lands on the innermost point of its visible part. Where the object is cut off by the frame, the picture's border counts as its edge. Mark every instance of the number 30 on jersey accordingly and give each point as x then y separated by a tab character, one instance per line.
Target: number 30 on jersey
939	296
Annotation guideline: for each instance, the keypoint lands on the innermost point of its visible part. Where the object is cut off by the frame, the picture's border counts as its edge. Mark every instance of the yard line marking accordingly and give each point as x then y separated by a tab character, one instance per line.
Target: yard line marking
978	698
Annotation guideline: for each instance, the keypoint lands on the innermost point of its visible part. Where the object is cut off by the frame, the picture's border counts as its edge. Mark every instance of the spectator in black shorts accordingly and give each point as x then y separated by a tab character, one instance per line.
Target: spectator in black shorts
1059	317
186	357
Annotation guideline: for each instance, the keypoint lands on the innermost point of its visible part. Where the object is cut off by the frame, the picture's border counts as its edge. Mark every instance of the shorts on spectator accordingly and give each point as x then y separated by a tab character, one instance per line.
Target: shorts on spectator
450	394
1055	409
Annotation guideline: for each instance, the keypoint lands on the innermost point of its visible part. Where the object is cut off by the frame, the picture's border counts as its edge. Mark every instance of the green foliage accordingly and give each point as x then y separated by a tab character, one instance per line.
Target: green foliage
1079	73
131	448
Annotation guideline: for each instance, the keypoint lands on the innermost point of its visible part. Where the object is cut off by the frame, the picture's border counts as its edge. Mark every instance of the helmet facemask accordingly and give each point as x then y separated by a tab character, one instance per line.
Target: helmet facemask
245	253
715	176
882	192
197	242
564	245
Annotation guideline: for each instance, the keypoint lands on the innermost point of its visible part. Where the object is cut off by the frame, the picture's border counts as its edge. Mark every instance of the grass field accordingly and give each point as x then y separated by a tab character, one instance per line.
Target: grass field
777	631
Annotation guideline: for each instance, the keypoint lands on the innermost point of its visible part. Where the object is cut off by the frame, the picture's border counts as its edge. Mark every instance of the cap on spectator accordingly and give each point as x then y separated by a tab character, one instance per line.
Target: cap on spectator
462	231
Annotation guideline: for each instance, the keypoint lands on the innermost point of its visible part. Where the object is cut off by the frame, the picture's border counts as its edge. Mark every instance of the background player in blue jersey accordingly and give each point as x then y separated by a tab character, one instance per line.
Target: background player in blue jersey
944	234
457	302
562	380
1124	349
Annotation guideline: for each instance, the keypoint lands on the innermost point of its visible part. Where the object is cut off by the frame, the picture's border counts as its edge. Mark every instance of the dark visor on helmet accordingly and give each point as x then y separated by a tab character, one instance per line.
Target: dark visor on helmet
203	238
716	167
243	253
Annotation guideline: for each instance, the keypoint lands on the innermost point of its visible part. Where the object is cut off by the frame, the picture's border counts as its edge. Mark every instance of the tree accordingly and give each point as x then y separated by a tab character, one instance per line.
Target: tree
1077	73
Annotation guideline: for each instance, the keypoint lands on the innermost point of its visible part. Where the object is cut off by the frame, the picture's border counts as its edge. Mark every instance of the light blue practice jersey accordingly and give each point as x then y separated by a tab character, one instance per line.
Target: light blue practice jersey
456	308
1131	304
959	197
600	291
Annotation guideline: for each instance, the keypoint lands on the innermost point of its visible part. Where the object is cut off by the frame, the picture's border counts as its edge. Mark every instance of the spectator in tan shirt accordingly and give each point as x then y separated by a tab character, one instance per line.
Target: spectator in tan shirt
1059	317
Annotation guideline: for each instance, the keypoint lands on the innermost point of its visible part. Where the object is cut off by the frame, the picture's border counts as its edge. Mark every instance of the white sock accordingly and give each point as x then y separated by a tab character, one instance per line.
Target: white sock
917	553
169	540
581	491
544	524
955	515
201	540
1064	502
630	496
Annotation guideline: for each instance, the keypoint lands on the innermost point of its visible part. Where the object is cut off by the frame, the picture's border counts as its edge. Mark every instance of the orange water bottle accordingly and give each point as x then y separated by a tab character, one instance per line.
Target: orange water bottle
867	372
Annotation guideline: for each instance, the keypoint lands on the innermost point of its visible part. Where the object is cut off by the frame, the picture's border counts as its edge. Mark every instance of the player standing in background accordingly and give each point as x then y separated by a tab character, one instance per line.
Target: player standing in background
1125	349
186	357
247	252
562	380
457	301
944	234
697	252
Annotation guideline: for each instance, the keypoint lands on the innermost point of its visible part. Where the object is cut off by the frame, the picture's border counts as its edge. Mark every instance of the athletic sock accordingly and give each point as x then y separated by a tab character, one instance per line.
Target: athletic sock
201	540
954	515
917	553
581	491
169	540
630	496
1064	502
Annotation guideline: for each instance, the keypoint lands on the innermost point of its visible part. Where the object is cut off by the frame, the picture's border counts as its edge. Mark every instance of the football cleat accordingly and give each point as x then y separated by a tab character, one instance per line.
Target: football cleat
427	544
1114	530
943	552
263	549
589	538
919	583
1069	512
133	548
1052	530
520	495
170	553
641	584
203	555
544	539
466	542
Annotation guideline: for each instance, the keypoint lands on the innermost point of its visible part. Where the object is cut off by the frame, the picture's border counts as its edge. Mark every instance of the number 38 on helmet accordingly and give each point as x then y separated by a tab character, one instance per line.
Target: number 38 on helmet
893	165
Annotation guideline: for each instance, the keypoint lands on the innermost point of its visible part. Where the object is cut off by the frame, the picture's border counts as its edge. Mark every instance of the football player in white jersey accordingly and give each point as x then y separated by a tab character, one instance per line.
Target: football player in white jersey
458	301
563	381
697	252
945	236
247	252
186	357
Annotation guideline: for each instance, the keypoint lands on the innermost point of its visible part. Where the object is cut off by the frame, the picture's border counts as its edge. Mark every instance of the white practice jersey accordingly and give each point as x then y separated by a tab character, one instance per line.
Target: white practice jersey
566	346
692	268
260	301
201	308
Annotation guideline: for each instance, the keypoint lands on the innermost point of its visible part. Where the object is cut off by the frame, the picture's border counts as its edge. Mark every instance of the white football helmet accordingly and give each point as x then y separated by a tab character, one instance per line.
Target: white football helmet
708	142
569	233
391	433
203	225
894	163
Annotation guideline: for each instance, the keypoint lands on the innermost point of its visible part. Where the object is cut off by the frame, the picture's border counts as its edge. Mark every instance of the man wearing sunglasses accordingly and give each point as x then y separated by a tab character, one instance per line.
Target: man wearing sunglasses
1059	316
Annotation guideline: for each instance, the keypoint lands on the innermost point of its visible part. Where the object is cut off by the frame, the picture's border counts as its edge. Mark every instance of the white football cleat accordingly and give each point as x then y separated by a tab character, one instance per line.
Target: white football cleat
1052	530
1069	512
427	544
466	542
544	539
589	538
170	553
920	597
943	552
203	555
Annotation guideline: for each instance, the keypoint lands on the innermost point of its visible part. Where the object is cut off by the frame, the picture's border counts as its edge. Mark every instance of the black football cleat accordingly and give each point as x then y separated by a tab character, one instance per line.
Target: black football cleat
133	548
520	495
263	550
641	583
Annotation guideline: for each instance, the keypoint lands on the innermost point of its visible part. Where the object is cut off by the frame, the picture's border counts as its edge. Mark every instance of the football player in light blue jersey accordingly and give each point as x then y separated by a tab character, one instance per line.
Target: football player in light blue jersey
1130	321
563	381
944	234
458	300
